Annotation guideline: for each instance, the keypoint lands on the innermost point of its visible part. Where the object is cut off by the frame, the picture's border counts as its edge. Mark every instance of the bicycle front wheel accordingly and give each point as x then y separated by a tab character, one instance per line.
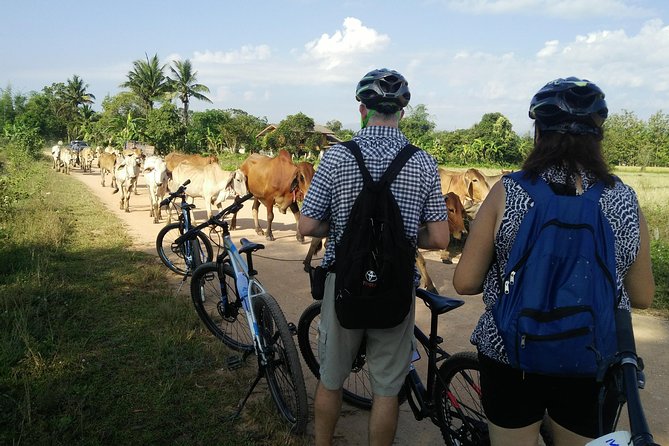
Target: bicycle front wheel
457	391
216	301
357	387
174	255
282	369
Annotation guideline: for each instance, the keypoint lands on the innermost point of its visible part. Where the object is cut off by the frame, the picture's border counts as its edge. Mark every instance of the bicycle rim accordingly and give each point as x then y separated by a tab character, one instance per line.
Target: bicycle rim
357	388
225	318
173	254
282	370
458	401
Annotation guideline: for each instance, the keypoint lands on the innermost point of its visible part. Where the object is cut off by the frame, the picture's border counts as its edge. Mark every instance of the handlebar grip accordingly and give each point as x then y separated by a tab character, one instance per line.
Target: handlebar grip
186	183
244	198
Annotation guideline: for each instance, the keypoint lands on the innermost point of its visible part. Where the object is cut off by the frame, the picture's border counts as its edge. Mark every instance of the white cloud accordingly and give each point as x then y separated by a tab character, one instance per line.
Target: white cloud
245	54
559	8
344	45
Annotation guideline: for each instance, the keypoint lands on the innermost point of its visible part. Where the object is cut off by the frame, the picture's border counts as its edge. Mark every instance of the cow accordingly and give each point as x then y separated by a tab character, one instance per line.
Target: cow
470	186
66	157
274	182
139	159
126	171
106	162
456	222
155	177
55	154
173	159
86	158
306	172
210	182
492	179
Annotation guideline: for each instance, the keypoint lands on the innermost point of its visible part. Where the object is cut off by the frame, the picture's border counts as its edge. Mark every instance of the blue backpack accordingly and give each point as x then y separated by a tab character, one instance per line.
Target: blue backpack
556	309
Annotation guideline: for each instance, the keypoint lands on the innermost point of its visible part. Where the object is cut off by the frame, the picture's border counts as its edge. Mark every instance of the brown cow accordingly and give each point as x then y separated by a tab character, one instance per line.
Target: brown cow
456	222
107	162
172	160
274	181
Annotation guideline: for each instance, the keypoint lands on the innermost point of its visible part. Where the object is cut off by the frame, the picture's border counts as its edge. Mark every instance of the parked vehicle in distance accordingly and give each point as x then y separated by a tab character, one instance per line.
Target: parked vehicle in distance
77	145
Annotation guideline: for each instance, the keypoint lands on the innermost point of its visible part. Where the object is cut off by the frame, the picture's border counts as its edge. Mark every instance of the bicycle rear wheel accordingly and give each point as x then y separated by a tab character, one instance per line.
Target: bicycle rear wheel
458	401
173	255
214	294
282	370
357	387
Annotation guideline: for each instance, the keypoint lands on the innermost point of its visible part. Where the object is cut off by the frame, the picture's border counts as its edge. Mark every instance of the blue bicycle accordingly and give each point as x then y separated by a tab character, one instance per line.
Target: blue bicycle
237	308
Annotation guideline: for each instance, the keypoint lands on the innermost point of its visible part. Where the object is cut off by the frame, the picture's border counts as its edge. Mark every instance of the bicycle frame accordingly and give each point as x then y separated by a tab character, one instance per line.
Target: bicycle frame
245	278
423	406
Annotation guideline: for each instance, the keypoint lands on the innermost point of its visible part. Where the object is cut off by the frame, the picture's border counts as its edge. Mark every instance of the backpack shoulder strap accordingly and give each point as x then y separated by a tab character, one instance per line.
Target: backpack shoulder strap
391	172
538	189
396	165
353	147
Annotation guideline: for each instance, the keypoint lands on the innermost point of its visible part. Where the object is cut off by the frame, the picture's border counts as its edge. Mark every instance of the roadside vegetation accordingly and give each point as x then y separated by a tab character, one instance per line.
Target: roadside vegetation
95	348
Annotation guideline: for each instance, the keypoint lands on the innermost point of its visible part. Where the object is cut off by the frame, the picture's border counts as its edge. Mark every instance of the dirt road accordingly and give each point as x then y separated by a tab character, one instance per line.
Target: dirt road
280	269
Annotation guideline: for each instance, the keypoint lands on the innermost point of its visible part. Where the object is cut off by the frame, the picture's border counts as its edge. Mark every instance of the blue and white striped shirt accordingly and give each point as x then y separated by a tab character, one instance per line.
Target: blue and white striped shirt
338	181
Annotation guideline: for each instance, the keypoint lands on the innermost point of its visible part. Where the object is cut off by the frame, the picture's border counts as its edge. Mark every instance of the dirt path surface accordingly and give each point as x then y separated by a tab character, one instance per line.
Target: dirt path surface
281	271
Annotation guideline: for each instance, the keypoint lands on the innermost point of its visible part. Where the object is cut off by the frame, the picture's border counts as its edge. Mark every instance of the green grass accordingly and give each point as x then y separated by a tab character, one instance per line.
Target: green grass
94	346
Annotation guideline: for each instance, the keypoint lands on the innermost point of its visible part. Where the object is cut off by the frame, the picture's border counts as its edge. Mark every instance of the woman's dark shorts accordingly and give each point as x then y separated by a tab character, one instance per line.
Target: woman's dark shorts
513	399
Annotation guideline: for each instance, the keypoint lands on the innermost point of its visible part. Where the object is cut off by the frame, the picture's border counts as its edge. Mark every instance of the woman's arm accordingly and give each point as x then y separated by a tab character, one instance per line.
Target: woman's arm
639	281
479	249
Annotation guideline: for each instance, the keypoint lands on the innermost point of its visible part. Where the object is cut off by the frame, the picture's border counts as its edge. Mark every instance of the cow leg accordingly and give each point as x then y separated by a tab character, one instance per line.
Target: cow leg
425	279
445	257
296	213
254	211
314	247
270	218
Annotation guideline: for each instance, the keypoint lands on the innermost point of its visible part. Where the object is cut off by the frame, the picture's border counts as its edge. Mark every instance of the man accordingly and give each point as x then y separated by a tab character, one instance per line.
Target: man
383	94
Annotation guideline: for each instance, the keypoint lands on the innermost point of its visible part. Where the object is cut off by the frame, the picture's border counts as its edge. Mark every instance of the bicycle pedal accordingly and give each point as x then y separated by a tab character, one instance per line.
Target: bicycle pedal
292	328
234	362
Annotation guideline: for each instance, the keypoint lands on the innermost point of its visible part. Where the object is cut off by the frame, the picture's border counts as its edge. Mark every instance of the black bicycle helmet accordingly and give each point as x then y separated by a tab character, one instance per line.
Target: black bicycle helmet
383	90
570	105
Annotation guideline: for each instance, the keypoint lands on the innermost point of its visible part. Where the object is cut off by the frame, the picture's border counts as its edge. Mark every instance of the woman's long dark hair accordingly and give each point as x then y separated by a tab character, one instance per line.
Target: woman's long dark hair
570	151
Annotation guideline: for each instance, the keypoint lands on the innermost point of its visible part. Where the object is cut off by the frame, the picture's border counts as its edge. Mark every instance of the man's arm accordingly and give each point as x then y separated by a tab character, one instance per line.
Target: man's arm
434	235
312	227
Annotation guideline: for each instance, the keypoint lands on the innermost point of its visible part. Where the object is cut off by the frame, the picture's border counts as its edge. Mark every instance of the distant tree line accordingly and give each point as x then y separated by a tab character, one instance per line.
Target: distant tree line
154	108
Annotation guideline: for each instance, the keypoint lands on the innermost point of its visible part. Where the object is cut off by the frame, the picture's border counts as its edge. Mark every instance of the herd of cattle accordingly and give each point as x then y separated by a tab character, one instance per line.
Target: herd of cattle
273	181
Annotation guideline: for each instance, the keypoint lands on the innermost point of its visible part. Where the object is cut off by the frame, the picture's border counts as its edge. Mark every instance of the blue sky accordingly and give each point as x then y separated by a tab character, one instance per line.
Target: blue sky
462	58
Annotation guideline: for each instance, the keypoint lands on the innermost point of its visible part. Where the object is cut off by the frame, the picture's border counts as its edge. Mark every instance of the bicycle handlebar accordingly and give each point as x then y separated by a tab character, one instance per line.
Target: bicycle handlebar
640	431
175	194
215	219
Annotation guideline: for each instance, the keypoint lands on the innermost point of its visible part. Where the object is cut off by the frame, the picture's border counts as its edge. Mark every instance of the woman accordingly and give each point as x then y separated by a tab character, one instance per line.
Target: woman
567	154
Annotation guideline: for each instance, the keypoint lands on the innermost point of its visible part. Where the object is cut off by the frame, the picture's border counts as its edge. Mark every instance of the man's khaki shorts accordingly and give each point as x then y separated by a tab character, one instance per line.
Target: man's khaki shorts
388	351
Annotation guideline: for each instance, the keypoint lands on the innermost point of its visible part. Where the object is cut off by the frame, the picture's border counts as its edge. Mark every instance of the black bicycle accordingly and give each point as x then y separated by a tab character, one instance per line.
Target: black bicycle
182	258
451	397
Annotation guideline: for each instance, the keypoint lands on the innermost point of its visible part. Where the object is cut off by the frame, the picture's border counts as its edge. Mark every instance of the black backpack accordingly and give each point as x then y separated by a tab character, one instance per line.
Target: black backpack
374	261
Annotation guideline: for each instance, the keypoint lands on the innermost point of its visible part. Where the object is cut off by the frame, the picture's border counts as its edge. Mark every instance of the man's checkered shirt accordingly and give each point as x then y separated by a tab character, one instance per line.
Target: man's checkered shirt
338	182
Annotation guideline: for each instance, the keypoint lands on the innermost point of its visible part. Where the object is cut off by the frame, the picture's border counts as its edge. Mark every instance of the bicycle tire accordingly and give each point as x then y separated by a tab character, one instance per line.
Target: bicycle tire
457	394
357	389
227	321
172	255
283	370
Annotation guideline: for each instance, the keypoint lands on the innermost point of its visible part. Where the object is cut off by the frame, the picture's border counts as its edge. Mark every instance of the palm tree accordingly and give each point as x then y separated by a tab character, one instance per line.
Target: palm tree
185	85
72	95
147	81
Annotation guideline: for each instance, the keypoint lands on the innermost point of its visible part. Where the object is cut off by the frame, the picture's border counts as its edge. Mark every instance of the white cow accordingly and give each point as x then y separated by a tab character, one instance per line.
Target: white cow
155	177
126	171
55	154
66	157
210	182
